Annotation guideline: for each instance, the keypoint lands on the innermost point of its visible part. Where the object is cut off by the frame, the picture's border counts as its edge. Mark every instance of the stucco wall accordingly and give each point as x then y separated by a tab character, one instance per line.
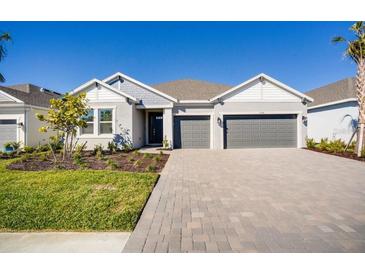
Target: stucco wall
122	121
332	122
138	127
34	137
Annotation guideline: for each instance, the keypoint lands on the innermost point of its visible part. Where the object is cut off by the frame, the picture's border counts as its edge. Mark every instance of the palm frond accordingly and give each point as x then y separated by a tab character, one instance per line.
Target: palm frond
338	39
2	53
2	78
357	26
5	37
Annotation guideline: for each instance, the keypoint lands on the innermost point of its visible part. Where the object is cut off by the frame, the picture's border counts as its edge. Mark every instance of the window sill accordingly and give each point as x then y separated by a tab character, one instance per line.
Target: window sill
92	136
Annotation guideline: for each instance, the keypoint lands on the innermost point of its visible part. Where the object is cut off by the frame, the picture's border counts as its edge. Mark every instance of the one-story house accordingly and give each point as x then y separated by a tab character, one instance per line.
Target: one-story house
18	107
260	112
334	112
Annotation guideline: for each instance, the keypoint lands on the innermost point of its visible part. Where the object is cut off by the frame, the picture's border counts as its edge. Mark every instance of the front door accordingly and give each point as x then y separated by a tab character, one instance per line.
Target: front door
155	128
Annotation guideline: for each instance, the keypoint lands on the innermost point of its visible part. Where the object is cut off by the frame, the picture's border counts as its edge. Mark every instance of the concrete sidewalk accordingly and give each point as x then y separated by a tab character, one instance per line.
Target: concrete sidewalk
62	242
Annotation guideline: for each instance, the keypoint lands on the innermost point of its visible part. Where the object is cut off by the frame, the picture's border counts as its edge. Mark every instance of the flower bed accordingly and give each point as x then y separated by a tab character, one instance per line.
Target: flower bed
120	161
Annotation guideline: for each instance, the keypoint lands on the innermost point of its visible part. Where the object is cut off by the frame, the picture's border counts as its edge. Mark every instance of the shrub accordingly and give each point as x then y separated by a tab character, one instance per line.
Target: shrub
151	168
13	146
161	152
98	148
56	142
24	158
336	146
43	157
158	158
131	159
112	147
42	148
80	148
323	144
28	149
138	163
77	158
310	143
147	155
111	164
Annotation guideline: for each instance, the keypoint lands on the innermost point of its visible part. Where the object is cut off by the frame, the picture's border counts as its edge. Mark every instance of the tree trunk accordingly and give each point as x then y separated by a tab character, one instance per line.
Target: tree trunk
360	92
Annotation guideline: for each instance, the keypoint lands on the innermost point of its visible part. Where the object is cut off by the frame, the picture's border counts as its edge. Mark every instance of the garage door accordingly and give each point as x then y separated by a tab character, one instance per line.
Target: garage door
254	131
191	132
8	129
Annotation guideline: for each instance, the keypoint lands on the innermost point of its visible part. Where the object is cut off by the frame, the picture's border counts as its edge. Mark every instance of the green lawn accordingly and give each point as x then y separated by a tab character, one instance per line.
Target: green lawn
80	200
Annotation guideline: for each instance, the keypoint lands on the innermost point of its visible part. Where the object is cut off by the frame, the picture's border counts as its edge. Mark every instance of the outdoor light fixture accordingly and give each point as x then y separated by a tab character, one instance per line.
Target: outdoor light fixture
219	121
304	119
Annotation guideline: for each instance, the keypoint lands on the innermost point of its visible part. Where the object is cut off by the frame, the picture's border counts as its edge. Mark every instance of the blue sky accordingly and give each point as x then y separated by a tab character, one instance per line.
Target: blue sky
64	55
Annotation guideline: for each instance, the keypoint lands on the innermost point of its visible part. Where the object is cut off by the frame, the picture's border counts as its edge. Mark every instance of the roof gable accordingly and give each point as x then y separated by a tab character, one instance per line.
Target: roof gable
92	86
109	79
262	87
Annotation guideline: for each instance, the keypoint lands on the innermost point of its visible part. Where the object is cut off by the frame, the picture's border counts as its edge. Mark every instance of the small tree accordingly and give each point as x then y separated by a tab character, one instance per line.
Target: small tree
66	115
355	50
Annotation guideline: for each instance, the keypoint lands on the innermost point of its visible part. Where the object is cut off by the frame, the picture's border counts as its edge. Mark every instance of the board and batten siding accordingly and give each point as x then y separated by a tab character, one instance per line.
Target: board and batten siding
261	91
101	94
147	97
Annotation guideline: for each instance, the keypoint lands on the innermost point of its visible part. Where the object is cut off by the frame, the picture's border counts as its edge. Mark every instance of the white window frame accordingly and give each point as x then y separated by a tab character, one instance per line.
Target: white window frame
93	122
96	134
106	122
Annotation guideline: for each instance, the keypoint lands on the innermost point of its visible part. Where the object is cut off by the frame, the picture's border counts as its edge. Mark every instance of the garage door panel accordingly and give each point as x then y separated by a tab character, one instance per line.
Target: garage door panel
192	132
8	132
261	131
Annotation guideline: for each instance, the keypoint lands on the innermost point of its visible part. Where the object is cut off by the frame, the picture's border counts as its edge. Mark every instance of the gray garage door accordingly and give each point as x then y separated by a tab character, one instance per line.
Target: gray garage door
254	131
191	132
8	129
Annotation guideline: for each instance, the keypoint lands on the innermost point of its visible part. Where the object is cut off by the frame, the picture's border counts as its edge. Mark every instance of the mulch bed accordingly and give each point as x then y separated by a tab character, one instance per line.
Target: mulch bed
348	155
123	161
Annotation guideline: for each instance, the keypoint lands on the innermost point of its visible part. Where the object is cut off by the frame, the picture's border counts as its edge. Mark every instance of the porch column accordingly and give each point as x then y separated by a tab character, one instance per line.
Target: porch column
168	126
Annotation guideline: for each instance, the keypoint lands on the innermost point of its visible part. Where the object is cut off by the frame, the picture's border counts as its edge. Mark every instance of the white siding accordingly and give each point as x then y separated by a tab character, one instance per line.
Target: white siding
258	91
102	94
4	98
332	122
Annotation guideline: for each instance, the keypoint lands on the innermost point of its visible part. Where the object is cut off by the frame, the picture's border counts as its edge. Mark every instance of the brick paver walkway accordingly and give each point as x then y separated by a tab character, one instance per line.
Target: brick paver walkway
262	200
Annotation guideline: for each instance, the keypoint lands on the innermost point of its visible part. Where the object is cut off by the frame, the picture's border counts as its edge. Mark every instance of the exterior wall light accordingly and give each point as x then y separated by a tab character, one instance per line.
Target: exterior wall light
219	121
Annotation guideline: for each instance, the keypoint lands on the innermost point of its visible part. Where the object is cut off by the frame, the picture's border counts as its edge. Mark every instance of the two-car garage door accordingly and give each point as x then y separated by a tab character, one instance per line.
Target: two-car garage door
255	131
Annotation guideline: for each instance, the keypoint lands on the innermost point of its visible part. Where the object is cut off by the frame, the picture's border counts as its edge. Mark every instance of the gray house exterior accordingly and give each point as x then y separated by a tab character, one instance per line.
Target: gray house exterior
18	107
334	112
260	112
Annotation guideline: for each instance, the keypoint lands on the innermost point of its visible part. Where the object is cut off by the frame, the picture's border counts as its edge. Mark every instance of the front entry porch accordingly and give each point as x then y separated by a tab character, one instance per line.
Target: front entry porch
158	127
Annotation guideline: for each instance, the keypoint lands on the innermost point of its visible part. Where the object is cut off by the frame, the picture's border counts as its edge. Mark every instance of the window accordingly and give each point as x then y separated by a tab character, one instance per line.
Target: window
8	122
105	121
89	118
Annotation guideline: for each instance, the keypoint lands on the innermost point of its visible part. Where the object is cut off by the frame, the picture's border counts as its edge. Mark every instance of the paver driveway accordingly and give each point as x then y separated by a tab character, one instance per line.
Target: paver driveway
261	200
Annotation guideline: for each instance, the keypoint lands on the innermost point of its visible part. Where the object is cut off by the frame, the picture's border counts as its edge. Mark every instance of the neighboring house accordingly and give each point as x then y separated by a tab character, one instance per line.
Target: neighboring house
261	112
334	112
18	107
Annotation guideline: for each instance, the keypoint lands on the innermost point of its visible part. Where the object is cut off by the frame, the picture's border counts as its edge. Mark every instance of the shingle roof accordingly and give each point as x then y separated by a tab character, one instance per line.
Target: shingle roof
31	94
340	90
191	89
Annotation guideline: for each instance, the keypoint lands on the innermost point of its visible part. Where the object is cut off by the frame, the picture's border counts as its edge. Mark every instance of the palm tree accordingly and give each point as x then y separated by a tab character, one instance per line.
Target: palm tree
355	50
4	37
